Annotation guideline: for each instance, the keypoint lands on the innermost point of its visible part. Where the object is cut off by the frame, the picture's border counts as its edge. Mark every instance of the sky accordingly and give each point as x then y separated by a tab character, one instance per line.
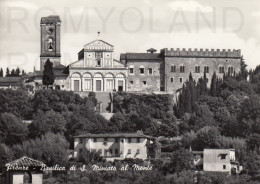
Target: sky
129	25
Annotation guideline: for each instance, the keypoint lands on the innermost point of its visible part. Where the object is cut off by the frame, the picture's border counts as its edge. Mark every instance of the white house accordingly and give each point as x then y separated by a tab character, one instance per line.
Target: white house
113	145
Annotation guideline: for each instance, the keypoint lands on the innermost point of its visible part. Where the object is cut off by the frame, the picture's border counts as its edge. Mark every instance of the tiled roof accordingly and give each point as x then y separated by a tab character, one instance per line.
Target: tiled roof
141	56
10	79
113	135
7	81
50	19
25	161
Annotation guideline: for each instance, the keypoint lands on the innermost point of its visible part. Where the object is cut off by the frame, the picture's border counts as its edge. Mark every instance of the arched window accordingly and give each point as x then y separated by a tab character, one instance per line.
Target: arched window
230	70
221	69
98	62
173	68
50	44
182	69
197	69
206	69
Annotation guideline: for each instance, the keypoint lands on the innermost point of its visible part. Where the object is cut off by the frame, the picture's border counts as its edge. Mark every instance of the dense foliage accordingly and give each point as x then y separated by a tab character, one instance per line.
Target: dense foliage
225	114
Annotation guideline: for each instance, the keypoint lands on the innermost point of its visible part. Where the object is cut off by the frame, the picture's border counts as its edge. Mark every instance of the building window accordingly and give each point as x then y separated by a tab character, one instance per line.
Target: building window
141	70
224	166
95	140
180	79
62	86
50	44
111	151
129	151
138	140
171	79
221	69
129	140
138	151
173	68
87	84
131	82
144	82
230	70
197	69
116	151
131	70
206	69
98	62
98	55
223	156
116	140
182	69
150	71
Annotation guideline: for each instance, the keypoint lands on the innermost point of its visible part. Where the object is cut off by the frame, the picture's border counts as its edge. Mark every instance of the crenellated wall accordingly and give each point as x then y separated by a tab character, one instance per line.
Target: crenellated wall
202	53
190	59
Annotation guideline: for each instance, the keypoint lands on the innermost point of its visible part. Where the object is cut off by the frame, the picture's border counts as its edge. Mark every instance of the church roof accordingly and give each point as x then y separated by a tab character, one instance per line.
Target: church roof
141	56
101	41
25	161
50	19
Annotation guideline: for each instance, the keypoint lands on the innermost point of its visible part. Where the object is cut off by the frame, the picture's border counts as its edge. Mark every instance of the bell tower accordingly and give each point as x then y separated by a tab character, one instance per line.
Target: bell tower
50	40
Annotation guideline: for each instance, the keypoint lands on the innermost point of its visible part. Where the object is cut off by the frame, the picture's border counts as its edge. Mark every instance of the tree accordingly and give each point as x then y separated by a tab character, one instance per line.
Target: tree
50	148
17	72
47	122
7	72
13	74
187	102
213	85
182	159
208	136
1	73
48	74
12	129
17	102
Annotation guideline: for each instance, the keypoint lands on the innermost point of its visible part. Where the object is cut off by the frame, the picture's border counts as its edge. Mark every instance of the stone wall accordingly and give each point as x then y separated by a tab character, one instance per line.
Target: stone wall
153	81
191	59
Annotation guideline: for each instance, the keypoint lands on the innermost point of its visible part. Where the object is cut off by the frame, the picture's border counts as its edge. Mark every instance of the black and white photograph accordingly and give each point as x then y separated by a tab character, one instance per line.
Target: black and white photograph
129	92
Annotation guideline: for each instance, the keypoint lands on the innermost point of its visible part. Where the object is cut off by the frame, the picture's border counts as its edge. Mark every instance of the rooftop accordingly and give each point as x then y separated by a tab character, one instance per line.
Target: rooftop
25	161
141	56
7	81
50	19
125	135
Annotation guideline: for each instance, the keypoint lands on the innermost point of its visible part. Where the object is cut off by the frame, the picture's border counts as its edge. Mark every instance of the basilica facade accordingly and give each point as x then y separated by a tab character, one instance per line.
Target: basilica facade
158	72
97	70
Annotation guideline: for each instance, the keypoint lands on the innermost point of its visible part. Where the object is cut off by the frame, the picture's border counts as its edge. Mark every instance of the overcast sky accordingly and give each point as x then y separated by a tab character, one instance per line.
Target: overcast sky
129	25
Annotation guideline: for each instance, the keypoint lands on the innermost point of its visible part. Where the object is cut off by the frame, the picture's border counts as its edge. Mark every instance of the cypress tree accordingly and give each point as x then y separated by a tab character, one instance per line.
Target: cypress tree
48	75
213	85
1	73
13	74
7	72
17	72
188	100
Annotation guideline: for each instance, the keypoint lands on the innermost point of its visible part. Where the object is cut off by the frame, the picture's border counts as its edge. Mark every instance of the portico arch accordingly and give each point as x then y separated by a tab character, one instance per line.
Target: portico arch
109	82
98	82
87	82
120	82
76	82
